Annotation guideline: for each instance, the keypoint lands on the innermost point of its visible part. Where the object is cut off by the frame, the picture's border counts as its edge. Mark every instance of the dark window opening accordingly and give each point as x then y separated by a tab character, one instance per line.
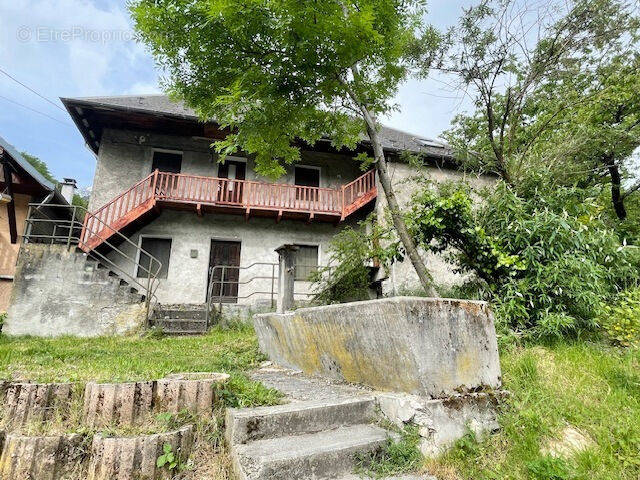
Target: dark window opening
160	248
306	177
306	262
167	162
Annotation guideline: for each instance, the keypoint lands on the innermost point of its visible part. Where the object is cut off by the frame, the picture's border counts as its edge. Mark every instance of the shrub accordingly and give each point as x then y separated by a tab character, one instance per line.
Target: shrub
548	260
621	319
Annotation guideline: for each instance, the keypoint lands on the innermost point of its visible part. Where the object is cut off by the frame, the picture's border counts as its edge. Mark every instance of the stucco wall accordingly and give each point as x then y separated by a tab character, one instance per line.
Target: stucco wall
125	157
402	278
187	277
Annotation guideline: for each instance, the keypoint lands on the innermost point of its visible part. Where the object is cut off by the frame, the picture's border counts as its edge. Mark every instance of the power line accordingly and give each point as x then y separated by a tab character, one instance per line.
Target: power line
37	111
33	91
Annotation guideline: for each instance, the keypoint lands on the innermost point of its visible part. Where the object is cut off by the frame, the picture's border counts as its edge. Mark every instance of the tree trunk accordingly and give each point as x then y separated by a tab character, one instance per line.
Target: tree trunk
616	189
394	207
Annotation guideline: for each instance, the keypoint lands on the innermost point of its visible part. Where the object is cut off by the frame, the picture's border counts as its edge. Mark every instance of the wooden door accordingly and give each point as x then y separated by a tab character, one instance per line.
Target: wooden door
232	192
224	253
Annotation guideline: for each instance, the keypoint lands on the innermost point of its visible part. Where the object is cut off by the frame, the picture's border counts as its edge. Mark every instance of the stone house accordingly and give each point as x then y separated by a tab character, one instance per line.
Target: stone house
215	226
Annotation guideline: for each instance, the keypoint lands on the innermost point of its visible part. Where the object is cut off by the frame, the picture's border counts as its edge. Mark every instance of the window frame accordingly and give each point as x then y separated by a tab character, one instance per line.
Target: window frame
318	250
139	252
308	167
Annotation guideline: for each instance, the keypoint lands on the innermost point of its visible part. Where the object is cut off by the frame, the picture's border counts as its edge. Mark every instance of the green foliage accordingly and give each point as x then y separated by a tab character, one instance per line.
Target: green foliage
620	320
352	254
80	200
279	72
548	468
169	459
40	166
397	456
589	386
548	260
240	392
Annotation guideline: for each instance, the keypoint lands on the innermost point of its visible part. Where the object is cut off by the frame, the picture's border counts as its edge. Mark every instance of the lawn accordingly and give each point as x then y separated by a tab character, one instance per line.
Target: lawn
587	386
117	359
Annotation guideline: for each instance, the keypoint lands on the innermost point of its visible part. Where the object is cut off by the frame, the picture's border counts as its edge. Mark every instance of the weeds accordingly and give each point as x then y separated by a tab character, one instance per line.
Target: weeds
397	456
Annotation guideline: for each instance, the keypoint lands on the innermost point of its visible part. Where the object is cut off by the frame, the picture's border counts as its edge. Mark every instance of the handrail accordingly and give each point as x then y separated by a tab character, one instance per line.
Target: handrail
72	225
222	282
225	192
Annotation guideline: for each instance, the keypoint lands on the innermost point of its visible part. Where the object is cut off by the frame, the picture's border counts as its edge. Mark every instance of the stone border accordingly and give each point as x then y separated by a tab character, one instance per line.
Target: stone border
191	391
41	458
117	403
24	402
135	457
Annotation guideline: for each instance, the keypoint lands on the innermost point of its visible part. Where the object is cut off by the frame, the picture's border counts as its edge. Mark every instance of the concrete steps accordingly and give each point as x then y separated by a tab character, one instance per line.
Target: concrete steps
180	319
305	440
251	424
323	455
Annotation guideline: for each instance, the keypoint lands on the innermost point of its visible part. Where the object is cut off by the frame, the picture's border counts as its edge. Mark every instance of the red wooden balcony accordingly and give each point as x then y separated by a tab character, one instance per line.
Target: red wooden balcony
210	194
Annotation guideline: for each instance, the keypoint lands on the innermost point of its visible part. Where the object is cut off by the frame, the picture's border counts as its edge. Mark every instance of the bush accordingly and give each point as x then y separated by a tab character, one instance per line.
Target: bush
621	320
549	260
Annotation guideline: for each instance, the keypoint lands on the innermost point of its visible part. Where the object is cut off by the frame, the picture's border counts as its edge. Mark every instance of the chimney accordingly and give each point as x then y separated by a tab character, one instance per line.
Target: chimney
68	189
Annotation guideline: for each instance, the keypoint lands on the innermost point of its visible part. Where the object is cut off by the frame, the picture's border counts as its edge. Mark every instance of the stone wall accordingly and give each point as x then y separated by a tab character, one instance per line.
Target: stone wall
422	346
57	292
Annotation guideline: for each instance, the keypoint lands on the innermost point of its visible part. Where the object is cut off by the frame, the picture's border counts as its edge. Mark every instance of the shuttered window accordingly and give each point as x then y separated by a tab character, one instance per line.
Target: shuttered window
306	261
160	248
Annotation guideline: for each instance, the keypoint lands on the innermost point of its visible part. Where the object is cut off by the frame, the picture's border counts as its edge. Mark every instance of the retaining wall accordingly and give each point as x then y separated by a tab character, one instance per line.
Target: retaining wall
423	346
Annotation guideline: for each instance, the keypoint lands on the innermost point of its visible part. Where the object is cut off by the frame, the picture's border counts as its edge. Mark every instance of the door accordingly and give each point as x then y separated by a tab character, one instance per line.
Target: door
224	254
231	192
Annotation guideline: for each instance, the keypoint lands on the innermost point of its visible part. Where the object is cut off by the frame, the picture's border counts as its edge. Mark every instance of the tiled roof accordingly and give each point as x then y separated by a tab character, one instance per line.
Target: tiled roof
392	139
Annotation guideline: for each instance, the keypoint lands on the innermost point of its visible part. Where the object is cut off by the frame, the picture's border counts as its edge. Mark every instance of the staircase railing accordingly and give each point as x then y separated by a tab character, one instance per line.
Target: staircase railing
241	194
70	224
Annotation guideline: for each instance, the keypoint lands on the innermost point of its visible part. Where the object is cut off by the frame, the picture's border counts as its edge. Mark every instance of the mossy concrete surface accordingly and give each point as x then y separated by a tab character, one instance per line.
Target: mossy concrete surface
424	346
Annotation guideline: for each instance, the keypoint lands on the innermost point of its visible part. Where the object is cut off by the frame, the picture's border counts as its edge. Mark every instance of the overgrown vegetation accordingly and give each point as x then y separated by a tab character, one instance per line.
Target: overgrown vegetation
398	456
582	385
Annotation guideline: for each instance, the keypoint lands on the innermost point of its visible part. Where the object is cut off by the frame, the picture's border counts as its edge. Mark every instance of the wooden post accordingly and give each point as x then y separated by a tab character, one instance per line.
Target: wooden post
11	206
286	277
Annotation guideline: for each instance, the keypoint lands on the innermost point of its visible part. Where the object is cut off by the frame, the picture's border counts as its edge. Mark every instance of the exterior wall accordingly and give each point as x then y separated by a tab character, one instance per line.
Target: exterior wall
57	292
186	280
9	251
124	159
402	278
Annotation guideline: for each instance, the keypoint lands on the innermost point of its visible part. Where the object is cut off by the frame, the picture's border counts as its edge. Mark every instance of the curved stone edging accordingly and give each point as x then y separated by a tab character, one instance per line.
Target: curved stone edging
117	403
191	391
135	457
24	402
41	458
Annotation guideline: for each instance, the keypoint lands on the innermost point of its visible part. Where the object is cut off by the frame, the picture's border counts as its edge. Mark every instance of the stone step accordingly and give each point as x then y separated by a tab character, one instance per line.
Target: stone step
250	424
181	325
180	313
318	456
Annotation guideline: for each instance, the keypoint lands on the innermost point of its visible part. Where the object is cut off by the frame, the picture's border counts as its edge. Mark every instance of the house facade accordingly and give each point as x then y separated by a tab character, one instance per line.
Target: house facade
215	226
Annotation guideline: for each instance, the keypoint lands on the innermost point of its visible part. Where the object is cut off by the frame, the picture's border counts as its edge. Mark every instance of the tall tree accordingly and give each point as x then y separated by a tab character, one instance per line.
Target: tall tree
534	72
40	166
279	71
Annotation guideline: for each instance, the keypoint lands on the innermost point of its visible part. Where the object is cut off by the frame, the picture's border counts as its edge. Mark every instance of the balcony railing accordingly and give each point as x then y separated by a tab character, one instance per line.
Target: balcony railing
222	194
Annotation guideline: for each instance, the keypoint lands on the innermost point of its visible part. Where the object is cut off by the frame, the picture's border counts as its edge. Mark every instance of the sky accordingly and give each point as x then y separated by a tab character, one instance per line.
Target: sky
76	48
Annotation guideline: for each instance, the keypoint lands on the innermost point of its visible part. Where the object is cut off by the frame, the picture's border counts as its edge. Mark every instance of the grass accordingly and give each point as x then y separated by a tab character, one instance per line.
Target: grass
118	359
588	386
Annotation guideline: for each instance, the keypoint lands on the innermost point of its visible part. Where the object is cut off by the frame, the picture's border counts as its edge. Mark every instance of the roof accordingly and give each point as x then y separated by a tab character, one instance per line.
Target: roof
392	140
30	170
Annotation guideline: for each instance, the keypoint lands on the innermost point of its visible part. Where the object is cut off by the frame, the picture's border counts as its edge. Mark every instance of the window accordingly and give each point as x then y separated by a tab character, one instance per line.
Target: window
167	162
306	262
160	248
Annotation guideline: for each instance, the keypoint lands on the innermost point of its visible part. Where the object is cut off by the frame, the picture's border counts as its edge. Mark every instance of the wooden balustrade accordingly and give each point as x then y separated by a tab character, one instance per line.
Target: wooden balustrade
247	195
